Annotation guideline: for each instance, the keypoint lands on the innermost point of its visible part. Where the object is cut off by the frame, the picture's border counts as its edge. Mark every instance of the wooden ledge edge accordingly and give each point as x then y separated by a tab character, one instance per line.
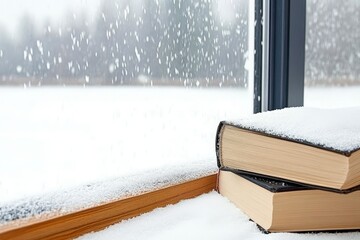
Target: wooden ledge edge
96	218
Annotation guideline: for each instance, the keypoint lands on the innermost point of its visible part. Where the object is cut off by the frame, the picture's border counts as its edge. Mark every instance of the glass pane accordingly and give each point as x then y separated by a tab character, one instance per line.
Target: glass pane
332	62
92	90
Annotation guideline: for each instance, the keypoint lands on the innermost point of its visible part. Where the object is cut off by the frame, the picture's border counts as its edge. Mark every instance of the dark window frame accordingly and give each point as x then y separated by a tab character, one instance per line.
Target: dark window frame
284	54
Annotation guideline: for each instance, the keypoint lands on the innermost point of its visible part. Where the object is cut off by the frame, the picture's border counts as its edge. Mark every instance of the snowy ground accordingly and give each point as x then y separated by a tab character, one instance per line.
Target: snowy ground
209	216
53	139
332	97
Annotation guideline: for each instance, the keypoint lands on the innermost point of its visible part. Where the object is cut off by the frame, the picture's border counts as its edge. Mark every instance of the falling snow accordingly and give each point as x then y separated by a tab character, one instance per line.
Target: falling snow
40	47
112	68
19	69
137	54
164	41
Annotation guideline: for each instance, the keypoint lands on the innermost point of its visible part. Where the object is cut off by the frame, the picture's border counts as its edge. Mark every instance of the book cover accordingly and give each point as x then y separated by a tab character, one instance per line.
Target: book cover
288	147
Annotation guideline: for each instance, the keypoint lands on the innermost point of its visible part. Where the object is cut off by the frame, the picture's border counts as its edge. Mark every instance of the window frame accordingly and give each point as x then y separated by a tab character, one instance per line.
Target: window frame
280	40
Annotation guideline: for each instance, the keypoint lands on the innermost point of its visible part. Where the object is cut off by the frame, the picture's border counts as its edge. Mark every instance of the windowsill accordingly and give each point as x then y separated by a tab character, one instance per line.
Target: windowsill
74	224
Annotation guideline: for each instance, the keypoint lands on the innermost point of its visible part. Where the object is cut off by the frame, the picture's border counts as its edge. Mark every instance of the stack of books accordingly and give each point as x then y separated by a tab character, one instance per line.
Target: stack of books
294	169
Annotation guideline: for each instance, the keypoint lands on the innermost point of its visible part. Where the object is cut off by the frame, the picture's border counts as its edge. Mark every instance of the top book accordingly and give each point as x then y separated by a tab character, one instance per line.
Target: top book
319	147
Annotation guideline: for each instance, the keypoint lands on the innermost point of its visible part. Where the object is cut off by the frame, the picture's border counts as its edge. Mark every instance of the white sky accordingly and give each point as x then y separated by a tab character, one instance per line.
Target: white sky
12	10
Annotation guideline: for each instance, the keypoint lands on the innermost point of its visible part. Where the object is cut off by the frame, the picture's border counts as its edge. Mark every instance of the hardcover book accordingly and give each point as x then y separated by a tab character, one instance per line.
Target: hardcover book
318	147
285	207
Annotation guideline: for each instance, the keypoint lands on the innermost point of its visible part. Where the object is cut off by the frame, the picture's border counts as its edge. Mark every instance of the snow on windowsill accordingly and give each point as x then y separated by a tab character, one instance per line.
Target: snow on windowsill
93	194
209	216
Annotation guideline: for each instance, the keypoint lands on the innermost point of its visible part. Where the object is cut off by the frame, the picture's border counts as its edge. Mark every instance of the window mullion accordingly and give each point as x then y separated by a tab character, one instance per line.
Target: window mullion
286	53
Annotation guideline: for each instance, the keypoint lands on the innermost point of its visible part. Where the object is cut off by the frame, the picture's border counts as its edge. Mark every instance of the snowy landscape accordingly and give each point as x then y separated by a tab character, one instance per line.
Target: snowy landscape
56	142
54	138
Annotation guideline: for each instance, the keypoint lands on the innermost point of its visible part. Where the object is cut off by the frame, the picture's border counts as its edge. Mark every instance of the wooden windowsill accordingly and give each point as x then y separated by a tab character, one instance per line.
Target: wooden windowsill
96	218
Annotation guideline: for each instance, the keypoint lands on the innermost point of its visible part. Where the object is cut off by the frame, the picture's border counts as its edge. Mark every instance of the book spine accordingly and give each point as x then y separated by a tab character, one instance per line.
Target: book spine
218	142
217	181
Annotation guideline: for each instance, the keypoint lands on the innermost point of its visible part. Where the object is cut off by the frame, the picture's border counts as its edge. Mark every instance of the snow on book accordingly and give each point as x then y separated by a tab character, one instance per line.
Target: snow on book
319	147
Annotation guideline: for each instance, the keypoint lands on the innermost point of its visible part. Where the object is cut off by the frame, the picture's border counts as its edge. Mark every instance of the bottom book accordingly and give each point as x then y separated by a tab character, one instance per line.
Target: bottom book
284	207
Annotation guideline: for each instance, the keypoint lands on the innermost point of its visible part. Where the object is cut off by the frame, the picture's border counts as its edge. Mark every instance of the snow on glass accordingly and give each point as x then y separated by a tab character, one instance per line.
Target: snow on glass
178	42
